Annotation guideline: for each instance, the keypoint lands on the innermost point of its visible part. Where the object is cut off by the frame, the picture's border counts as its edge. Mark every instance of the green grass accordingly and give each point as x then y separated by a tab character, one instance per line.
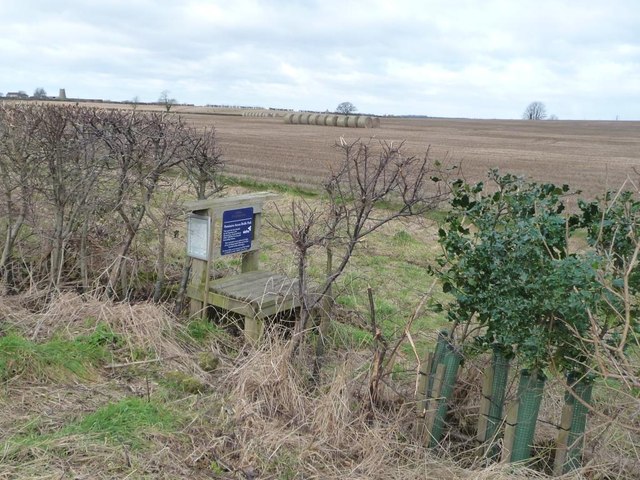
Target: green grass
56	359
399	278
124	422
344	335
203	330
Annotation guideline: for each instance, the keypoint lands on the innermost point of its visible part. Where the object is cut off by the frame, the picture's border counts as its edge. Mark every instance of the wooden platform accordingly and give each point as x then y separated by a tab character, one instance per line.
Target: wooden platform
255	295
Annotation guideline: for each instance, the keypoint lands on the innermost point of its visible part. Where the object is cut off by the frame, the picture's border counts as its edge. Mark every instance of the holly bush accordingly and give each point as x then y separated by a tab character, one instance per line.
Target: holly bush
507	264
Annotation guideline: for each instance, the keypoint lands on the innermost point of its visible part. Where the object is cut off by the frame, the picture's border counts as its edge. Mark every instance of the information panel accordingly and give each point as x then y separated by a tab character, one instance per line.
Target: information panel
198	232
237	230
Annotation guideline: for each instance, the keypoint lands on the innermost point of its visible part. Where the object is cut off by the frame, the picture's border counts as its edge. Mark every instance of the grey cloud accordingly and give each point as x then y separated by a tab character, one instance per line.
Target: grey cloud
443	58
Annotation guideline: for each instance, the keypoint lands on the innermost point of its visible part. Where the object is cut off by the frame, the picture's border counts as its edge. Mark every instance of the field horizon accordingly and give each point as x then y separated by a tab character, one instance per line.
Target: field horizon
591	156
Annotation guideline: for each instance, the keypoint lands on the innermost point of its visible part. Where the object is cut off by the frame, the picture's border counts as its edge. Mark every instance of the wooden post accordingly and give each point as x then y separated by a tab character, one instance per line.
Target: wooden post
433	402
251	260
209	264
485	404
510	430
253	328
198	269
563	437
421	395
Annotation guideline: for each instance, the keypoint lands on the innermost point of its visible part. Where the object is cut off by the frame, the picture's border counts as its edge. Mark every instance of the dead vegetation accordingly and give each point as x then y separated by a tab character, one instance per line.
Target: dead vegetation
256	414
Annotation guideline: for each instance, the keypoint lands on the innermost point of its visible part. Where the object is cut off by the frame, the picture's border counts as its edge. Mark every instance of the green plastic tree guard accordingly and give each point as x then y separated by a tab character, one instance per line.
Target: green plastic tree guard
575	441
530	392
496	405
451	359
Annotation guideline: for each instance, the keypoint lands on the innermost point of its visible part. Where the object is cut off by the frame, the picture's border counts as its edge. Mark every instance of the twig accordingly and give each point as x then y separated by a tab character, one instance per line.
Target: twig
143	362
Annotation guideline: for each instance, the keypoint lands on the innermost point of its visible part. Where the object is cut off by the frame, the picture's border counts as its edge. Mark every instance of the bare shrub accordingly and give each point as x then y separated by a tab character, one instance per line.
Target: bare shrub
78	185
368	176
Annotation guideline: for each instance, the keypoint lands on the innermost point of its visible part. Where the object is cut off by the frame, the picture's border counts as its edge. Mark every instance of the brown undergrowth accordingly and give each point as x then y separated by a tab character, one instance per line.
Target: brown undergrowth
152	409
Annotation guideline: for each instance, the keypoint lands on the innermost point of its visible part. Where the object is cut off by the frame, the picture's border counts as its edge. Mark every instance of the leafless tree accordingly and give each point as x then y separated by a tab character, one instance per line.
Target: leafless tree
142	148
535	111
203	161
368	175
612	346
166	100
71	170
346	108
18	168
39	93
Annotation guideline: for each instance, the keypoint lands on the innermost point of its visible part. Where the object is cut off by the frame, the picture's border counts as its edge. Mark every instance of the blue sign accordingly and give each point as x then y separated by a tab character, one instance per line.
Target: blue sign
237	230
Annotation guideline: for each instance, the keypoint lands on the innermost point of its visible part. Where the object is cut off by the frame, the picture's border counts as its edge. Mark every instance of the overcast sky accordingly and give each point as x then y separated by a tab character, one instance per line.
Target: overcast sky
450	58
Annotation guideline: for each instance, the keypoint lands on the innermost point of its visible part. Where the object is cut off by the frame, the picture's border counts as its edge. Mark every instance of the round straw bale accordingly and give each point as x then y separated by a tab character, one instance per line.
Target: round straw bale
320	119
295	118
352	121
304	118
330	120
341	121
365	122
312	118
287	118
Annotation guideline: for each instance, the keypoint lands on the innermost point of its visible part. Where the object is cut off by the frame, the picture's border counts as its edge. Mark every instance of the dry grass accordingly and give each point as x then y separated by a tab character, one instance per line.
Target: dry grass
285	427
261	416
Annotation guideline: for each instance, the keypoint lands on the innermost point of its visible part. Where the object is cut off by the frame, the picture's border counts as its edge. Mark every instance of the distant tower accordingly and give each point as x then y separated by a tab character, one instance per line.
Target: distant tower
63	94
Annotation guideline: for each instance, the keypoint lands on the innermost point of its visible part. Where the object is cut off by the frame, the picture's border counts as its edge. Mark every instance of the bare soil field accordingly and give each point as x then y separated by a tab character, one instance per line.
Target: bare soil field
588	155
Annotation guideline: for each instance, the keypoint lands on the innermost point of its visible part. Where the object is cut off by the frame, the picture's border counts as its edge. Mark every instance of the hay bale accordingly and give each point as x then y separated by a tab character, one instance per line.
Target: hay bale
341	121
331	120
364	122
295	118
320	120
287	118
352	121
312	119
304	118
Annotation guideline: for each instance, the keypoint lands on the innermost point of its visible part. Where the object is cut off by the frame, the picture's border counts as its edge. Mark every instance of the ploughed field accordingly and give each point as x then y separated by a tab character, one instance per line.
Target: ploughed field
588	155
